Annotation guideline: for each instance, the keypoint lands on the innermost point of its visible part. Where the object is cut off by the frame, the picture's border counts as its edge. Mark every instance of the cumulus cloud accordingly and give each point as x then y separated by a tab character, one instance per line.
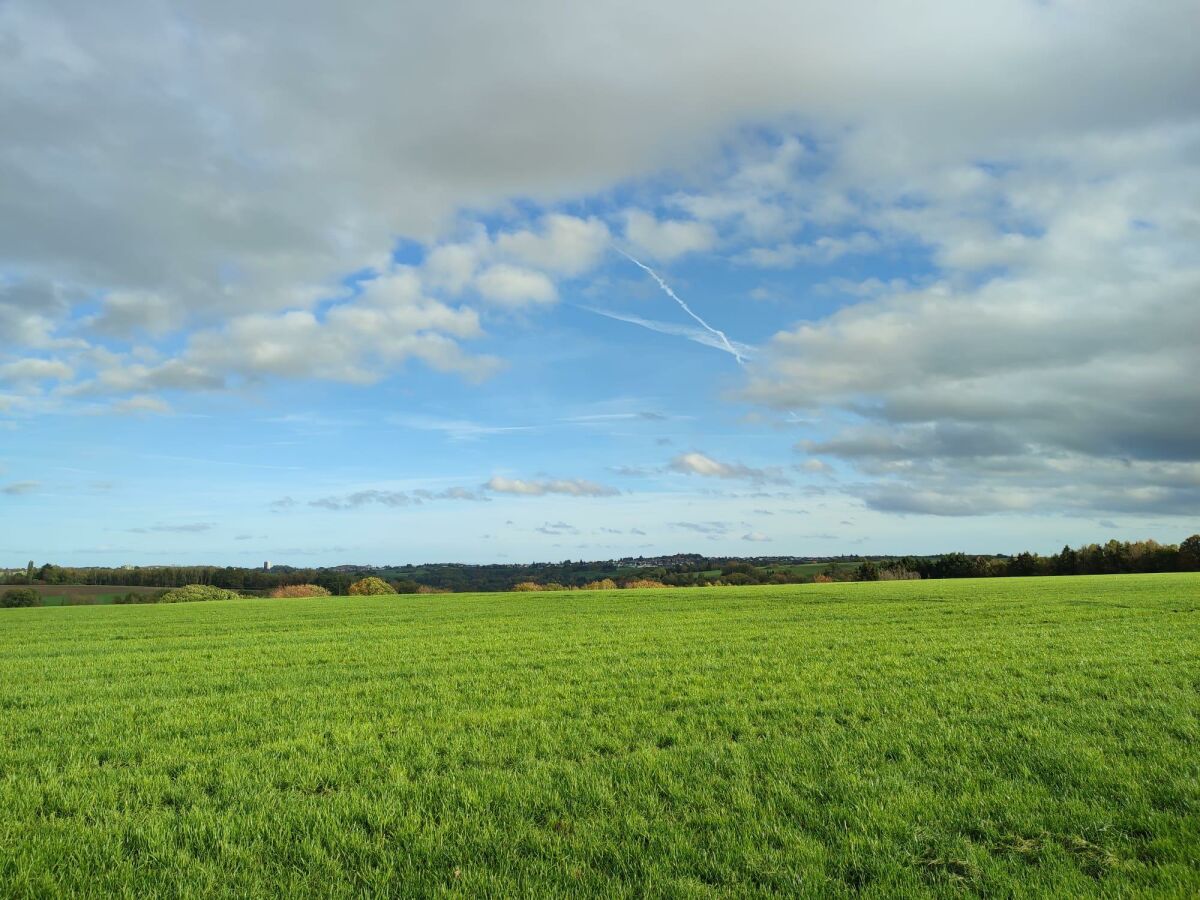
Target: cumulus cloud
514	287
563	244
756	537
699	464
1075	350
574	487
668	239
34	369
356	341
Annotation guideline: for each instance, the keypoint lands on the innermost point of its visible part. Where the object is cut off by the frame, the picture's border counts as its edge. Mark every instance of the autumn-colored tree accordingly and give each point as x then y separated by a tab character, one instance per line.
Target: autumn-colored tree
371	586
299	590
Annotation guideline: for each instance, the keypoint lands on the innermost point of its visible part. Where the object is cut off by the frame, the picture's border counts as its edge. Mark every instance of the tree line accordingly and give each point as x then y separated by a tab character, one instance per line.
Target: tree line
1113	557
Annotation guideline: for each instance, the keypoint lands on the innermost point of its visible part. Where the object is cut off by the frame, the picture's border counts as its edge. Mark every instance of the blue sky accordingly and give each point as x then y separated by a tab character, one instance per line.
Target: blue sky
260	303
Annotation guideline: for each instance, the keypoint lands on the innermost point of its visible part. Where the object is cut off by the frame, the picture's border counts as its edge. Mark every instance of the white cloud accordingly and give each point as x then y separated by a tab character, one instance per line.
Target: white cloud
34	369
699	464
563	244
668	239
825	249
513	287
357	341
1076	348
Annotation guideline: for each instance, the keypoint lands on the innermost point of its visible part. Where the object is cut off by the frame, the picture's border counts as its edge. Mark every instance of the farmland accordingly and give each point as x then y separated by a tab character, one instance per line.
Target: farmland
86	594
999	737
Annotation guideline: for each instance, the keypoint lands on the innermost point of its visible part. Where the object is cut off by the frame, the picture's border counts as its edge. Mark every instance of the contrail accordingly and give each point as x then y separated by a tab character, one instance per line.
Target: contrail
691	332
687	309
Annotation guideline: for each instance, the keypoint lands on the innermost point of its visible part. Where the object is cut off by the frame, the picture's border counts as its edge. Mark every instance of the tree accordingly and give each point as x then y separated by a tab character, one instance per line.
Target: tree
1023	564
29	573
1067	562
867	571
20	597
299	590
371	586
1189	554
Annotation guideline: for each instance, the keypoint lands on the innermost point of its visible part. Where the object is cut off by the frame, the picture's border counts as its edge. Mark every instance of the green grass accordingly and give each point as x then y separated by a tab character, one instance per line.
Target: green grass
1008	737
80	594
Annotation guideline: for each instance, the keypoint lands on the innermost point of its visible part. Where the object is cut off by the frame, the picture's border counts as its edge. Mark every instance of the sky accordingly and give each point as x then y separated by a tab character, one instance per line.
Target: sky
485	282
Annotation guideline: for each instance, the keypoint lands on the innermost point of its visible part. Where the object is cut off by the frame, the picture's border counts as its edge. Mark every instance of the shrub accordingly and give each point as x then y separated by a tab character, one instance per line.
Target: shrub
20	597
822	579
371	587
194	593
430	589
527	586
644	583
299	590
604	584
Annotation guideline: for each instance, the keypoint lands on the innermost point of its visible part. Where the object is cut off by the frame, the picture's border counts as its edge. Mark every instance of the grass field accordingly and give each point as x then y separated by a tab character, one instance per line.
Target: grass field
1007	737
81	594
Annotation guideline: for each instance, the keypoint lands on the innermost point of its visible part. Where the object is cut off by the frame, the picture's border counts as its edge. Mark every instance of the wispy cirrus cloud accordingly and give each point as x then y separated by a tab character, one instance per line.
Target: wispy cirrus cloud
19	488
186	528
572	487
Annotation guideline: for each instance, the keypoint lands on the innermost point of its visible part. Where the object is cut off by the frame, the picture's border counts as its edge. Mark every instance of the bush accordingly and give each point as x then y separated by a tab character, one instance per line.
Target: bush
371	587
299	590
195	593
822	579
527	586
644	583
18	597
604	584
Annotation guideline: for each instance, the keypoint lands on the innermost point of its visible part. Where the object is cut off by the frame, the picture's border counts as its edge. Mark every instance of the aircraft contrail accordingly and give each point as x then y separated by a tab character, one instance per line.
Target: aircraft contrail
687	309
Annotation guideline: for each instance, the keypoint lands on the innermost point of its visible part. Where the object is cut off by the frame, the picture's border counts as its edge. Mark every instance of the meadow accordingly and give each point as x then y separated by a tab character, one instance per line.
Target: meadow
82	594
1000	737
